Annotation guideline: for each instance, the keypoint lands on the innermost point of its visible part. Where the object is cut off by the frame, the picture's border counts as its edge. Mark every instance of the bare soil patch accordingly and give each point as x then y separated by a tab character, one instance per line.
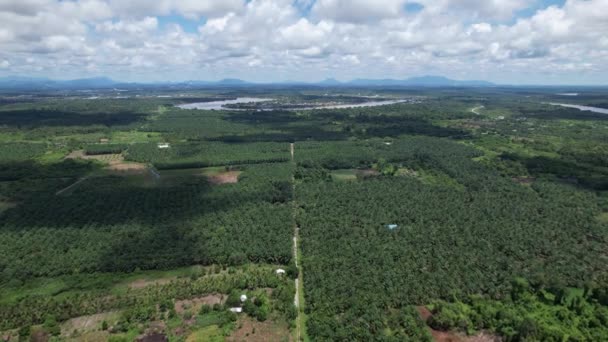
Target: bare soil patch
115	161
127	166
424	312
39	336
451	336
367	173
87	323
228	177
251	330
524	180
155	337
141	283
195	304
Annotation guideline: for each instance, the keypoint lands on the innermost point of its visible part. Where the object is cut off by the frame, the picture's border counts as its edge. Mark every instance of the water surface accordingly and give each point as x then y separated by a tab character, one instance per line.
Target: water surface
219	105
579	107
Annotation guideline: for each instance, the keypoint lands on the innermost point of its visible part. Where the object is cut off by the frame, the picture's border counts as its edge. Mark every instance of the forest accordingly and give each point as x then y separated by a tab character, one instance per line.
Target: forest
468	212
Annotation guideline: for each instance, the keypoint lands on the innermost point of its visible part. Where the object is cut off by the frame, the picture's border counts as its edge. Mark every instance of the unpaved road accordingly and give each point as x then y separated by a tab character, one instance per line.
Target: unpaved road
475	110
71	186
296	230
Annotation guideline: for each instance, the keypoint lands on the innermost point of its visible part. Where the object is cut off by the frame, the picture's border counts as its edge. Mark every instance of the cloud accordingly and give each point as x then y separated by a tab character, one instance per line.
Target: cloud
305	39
357	11
192	9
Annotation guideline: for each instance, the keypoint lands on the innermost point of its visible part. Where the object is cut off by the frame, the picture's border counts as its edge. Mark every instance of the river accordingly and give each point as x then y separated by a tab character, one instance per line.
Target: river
220	105
579	107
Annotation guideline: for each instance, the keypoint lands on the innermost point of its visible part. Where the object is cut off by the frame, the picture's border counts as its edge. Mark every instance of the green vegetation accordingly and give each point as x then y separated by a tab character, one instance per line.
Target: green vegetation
529	313
398	207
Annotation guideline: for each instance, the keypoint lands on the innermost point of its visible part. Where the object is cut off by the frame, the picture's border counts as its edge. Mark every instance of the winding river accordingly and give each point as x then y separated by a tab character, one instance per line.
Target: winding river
579	107
220	105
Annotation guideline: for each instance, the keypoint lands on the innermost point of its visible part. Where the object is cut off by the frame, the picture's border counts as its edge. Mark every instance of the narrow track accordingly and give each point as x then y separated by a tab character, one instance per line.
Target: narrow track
475	110
298	281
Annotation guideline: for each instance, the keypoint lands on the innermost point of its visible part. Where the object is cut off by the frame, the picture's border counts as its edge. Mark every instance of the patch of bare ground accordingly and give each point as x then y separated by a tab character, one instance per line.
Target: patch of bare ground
95	336
195	304
154	337
228	177
250	330
141	283
127	166
367	173
524	180
87	323
452	336
115	161
39	336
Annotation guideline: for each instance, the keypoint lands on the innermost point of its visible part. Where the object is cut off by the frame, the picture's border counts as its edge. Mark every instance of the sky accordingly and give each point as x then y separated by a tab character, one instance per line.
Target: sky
503	41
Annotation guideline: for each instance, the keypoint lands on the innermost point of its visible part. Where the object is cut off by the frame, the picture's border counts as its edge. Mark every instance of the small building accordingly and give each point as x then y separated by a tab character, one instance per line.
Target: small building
243	298
280	271
163	145
388	143
392	226
104	140
236	310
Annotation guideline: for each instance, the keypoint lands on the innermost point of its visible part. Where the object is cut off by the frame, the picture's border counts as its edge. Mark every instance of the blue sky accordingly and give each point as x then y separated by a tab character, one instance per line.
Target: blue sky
504	41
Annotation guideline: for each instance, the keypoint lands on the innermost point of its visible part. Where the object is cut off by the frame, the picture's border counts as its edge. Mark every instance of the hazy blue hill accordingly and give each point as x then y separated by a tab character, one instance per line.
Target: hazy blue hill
16	82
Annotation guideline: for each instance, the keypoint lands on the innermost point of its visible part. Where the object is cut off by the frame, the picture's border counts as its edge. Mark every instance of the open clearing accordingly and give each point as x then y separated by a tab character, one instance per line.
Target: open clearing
448	336
88	323
216	175
6	204
353	174
228	177
211	333
195	304
249	329
141	283
115	161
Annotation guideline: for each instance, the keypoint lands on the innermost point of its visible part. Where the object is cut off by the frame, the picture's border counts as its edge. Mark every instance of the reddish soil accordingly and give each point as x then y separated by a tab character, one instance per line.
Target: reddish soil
450	336
425	313
227	177
121	166
442	336
250	330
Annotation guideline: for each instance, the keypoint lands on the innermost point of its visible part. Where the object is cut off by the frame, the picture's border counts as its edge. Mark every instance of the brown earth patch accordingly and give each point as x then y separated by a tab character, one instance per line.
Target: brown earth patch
367	173
451	336
195	304
141	283
424	312
524	180
39	336
155	337
250	330
228	177
116	161
127	166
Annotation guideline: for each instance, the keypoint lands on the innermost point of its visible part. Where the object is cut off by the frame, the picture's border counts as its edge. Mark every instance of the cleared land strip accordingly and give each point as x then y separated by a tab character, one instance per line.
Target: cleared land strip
475	110
71	186
299	283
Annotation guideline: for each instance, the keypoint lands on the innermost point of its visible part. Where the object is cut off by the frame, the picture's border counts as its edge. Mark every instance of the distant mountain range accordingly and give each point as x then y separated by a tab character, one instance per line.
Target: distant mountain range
105	83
